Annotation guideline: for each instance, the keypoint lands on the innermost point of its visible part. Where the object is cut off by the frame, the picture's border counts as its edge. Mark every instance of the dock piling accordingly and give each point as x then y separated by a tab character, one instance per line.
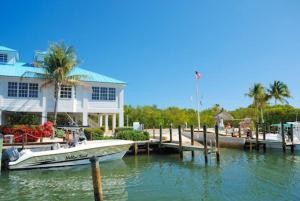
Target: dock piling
264	137
205	144
23	141
171	137
283	137
217	143
148	148
96	176
192	140
256	135
292	138
160	135
180	142
240	132
135	149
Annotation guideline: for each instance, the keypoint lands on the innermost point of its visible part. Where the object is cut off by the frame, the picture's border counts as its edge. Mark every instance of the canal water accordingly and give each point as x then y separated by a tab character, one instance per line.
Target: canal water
241	175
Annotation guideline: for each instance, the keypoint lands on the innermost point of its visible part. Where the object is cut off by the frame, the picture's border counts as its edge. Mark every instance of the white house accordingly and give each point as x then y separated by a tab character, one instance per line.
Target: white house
102	95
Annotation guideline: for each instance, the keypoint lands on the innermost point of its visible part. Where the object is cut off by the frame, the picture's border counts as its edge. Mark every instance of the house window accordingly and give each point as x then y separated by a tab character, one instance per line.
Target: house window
112	94
3	58
23	89
12	89
33	90
103	93
95	94
65	91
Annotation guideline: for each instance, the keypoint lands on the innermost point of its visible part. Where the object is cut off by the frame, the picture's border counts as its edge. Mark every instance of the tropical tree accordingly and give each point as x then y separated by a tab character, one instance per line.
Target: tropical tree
58	65
260	98
279	91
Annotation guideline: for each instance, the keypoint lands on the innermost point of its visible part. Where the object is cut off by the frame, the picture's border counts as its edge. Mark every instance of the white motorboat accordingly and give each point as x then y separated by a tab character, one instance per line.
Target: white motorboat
79	154
225	139
274	140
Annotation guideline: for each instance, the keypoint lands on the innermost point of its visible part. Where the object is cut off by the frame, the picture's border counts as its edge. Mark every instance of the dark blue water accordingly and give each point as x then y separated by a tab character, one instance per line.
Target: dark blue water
240	176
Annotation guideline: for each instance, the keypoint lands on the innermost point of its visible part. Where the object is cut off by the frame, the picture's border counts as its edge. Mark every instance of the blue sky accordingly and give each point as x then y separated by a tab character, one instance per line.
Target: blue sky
155	46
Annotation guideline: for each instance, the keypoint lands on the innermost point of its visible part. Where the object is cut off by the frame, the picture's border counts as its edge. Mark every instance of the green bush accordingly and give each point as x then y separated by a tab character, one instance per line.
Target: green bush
59	132
94	133
132	135
120	129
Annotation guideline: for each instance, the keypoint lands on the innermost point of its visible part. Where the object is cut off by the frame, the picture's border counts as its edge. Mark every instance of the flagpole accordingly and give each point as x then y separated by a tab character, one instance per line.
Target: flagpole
198	104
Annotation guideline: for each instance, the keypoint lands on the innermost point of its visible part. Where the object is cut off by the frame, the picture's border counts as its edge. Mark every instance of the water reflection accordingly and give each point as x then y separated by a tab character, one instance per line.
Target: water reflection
240	176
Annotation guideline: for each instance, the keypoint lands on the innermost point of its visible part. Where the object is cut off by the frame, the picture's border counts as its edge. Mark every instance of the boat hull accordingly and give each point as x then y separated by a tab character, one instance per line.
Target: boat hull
69	157
278	145
224	141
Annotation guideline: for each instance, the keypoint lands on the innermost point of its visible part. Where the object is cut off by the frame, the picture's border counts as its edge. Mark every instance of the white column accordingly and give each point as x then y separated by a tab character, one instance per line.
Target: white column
85	119
121	108
44	112
1	117
44	117
106	122
100	120
85	112
114	122
121	119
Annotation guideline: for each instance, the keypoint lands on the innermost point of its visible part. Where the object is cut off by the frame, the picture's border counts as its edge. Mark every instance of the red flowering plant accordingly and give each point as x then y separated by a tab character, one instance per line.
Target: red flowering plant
33	133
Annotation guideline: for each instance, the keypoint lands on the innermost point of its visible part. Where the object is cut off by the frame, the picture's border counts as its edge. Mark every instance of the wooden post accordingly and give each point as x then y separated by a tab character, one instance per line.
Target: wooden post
180	141
283	137
217	143
23	140
240	132
205	144
292	138
96	176
264	137
148	148
153	133
192	140
160	135
256	133
135	149
171	137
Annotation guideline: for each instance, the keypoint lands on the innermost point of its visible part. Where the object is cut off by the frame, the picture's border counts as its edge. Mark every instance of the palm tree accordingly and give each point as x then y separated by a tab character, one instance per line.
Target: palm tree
279	91
58	64
260	98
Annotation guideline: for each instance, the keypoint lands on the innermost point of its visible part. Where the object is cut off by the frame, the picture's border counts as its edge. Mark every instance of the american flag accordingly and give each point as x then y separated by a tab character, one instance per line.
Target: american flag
197	75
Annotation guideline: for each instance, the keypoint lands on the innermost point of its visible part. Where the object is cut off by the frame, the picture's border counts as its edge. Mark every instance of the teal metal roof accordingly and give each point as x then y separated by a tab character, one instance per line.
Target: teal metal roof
18	69
3	48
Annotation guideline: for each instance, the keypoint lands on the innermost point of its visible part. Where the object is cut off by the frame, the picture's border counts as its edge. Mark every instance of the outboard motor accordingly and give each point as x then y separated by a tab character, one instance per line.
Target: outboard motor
11	154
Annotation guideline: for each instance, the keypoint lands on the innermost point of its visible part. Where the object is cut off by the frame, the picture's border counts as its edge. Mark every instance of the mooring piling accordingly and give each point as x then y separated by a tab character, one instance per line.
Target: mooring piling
240	132
205	144
148	148
23	140
264	136
256	135
283	137
170	129
160	135
292	138
180	142
135	149
96	176
192	140
217	143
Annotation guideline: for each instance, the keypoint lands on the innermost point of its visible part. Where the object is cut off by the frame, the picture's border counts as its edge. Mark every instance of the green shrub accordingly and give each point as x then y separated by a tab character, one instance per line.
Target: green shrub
59	133
132	135
94	133
120	129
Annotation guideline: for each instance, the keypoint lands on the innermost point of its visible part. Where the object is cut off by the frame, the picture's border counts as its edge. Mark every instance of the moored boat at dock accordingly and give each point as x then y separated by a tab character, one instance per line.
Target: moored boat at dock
78	154
274	140
225	140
